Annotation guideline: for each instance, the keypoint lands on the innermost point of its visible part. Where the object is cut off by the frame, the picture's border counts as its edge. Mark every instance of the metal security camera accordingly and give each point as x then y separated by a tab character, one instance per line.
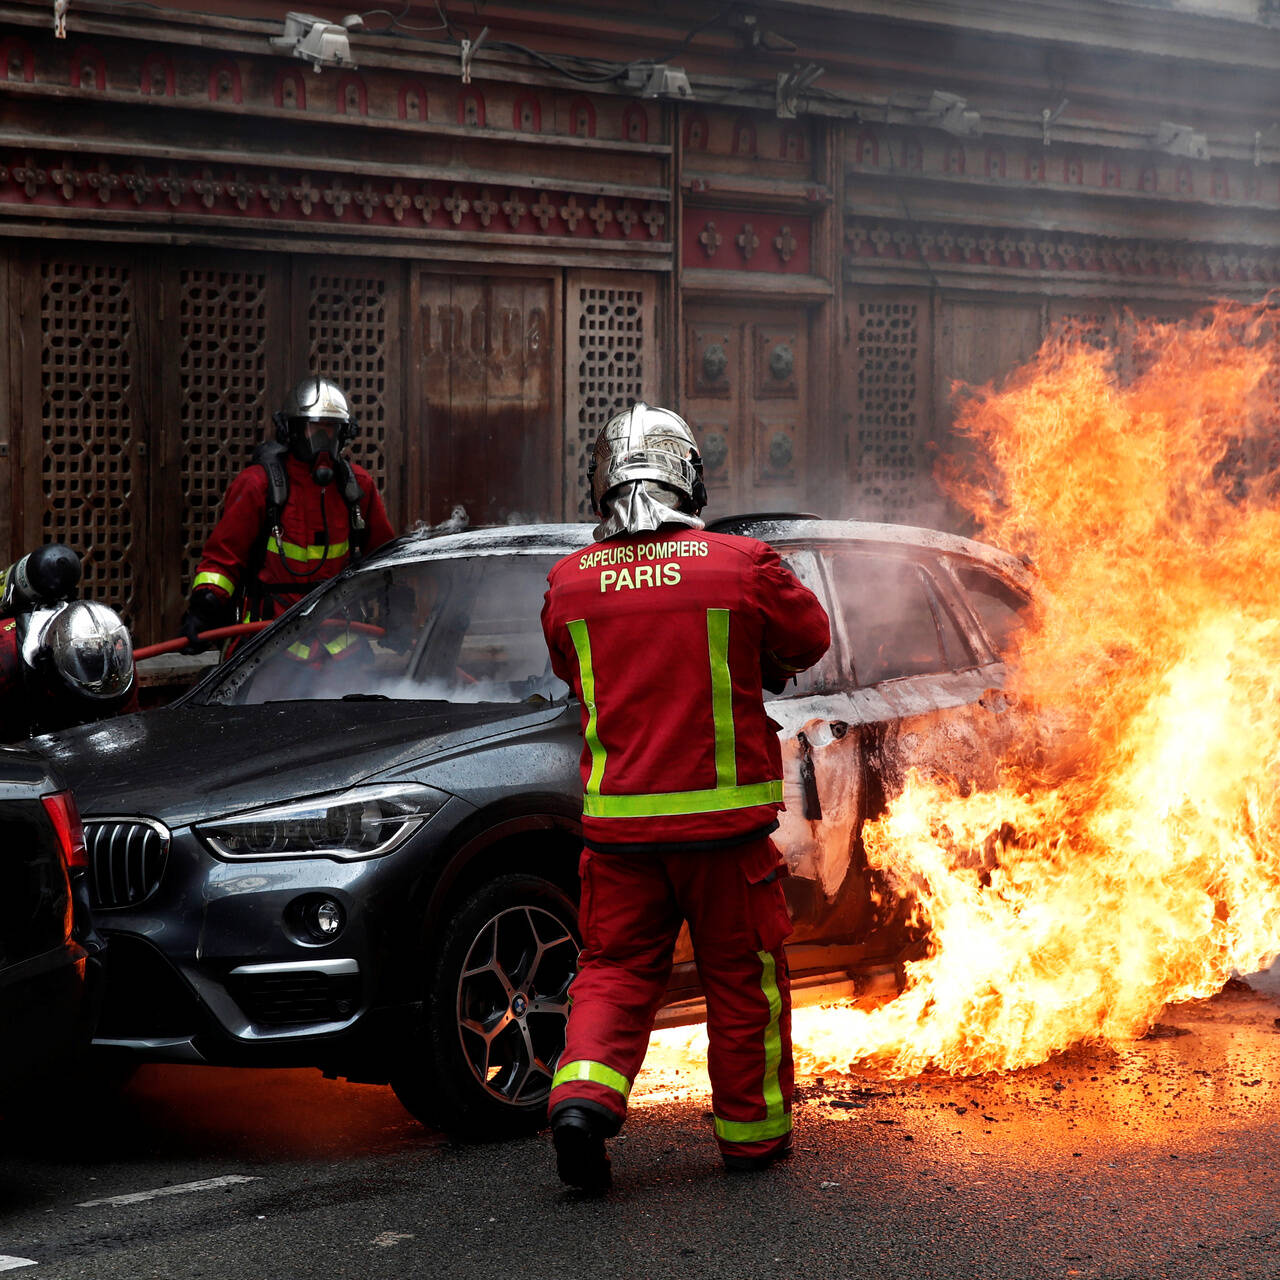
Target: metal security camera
321	43
1182	140
951	112
658	80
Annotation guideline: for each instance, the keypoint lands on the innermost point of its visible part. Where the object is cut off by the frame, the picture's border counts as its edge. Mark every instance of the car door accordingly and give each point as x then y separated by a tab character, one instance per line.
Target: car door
808	715
903	688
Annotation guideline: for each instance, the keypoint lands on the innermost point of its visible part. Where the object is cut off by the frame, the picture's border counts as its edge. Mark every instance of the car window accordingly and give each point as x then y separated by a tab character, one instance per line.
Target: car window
823	676
460	630
1000	608
893	620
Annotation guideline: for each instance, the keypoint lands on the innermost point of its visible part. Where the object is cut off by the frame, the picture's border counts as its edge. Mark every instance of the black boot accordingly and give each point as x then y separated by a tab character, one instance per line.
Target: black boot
581	1159
753	1164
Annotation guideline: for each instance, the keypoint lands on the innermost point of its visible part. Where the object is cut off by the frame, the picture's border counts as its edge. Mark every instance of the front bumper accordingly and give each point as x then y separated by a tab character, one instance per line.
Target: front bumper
212	966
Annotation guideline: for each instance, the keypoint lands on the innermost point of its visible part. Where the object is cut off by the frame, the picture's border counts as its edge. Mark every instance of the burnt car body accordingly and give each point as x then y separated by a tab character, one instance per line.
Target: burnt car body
50	955
368	862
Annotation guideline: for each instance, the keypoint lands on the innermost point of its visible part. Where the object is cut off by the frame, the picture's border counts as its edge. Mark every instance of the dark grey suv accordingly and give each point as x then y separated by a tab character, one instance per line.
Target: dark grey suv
368	863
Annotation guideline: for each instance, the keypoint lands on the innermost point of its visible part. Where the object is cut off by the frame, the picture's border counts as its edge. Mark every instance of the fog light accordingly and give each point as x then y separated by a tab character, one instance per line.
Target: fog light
325	919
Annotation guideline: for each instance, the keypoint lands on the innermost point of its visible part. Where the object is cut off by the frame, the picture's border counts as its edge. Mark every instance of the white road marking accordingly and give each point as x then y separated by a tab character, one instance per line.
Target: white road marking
137	1197
388	1238
9	1264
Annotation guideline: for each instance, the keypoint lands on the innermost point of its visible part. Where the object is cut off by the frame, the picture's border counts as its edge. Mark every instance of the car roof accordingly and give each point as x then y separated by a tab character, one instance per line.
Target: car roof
563	539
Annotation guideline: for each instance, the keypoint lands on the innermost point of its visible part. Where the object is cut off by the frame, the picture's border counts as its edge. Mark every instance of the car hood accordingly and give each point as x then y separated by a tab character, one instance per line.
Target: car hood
180	764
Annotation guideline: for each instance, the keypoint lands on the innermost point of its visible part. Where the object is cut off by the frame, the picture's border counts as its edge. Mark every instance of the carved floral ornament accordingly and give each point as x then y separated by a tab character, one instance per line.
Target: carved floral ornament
1060	252
78	182
1106	170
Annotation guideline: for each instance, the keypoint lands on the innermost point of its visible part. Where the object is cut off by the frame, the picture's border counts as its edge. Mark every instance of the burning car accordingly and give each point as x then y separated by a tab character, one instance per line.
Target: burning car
354	845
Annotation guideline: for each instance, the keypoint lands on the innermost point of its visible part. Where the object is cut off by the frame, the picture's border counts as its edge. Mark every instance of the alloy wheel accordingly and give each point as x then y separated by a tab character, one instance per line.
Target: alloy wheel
513	1002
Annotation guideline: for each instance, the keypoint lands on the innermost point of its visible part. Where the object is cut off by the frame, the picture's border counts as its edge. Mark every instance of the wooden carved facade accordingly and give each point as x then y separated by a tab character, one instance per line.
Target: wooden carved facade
491	268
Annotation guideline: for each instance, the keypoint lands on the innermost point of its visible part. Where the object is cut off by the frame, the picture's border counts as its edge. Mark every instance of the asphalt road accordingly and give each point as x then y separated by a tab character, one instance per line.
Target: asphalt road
1156	1160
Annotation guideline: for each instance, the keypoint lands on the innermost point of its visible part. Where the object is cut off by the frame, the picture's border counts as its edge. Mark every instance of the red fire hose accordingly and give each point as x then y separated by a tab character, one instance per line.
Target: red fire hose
245	629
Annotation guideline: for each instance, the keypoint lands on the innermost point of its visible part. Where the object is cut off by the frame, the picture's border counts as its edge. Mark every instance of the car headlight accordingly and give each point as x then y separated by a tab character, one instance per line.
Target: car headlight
364	822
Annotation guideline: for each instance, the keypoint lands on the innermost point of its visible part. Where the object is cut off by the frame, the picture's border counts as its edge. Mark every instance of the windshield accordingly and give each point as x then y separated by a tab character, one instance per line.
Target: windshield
462	630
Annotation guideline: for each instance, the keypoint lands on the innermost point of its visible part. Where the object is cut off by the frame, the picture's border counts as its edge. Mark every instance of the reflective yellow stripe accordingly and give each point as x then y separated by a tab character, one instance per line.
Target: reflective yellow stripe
672	803
306	650
776	1121
772	1034
341	643
208	579
291	550
722	698
752	1130
594	1071
725	795
582	646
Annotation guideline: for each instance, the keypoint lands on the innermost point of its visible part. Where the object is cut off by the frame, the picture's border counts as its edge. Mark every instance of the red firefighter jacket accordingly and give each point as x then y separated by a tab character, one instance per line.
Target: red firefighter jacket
664	637
315	545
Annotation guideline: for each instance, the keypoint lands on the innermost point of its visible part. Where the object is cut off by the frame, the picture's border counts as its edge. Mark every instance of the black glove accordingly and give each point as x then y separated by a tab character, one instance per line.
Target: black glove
205	611
772	676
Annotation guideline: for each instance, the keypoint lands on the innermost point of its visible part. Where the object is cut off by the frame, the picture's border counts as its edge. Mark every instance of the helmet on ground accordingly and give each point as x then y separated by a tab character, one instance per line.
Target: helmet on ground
647	443
85	646
315	418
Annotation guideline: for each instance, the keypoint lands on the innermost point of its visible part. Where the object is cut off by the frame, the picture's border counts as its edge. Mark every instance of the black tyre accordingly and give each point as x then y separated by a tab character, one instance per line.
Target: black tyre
497	1003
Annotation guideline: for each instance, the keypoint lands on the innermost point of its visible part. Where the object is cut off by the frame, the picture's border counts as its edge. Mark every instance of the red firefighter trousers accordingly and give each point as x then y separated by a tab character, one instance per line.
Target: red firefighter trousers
632	909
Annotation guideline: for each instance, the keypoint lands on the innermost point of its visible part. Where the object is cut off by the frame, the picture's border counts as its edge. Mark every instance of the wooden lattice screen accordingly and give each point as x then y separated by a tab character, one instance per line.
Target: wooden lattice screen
224	328
893	407
352	336
612	353
89	440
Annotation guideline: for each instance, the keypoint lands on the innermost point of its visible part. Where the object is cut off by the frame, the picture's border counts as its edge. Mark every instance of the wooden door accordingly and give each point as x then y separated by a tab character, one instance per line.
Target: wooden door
84	428
746	397
487	396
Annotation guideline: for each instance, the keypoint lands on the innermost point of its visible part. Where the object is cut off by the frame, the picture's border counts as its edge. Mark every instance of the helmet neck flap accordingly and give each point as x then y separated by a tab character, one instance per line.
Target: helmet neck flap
640	506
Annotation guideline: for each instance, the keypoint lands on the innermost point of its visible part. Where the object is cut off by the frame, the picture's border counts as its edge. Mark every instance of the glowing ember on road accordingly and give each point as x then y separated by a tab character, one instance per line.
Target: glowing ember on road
1136	858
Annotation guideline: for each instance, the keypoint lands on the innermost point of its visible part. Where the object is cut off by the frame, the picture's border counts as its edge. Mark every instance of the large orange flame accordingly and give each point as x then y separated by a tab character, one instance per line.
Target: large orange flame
1131	856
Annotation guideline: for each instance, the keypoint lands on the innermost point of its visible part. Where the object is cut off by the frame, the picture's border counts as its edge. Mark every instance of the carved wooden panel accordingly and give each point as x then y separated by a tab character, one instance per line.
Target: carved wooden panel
612	359
488	396
746	398
980	341
90	424
887	349
713	353
352	335
1092	320
222	336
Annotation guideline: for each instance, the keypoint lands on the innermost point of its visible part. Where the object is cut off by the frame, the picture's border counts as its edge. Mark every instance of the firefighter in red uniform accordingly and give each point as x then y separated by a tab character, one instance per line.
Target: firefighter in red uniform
296	516
666	633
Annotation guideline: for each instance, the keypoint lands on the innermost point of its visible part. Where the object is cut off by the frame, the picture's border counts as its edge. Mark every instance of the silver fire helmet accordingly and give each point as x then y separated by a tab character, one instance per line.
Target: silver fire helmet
317	419
87	644
647	443
317	398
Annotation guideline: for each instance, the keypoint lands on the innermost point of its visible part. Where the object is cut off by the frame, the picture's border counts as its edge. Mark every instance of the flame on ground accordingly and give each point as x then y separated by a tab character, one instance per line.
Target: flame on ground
1137	848
1131	855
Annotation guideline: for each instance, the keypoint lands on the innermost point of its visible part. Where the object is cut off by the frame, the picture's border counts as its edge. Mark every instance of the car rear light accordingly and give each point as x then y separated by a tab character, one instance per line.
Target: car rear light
62	811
